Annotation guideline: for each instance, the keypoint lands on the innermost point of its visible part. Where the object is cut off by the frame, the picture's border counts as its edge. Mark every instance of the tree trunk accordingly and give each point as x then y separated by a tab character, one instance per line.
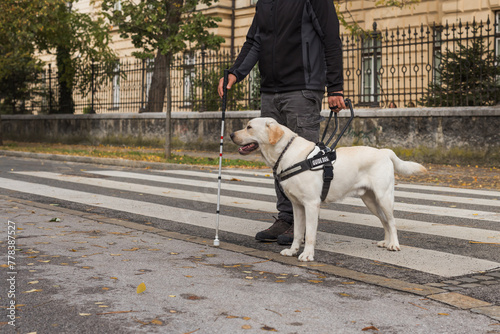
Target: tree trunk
156	96
160	86
64	74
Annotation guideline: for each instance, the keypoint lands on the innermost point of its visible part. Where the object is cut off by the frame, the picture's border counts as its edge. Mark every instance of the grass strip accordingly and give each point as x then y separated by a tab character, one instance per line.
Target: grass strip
128	153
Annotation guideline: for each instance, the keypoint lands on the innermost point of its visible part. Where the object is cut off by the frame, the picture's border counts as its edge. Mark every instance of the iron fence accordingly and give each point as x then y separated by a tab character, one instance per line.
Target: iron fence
400	67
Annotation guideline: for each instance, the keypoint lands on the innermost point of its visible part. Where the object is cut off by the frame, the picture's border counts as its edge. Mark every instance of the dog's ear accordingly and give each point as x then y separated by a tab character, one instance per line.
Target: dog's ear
275	132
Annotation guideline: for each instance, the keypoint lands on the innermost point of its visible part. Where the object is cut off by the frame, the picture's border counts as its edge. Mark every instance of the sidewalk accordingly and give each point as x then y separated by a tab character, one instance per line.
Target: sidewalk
78	273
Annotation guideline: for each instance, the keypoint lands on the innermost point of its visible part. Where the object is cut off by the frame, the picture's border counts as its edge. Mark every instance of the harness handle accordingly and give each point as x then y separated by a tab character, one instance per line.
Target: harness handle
349	103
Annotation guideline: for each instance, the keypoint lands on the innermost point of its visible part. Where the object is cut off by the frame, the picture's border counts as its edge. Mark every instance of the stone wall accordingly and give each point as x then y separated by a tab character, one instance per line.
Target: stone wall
461	129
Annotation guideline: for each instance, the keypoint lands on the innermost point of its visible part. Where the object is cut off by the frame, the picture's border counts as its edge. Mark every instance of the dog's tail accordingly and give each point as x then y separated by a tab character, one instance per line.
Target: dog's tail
404	167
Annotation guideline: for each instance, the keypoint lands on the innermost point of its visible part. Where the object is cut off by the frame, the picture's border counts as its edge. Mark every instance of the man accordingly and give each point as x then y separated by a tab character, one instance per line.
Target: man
298	48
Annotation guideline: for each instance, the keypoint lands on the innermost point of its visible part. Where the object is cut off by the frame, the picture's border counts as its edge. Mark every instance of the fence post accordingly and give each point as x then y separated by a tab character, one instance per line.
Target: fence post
92	66
375	38
142	84
203	53
50	88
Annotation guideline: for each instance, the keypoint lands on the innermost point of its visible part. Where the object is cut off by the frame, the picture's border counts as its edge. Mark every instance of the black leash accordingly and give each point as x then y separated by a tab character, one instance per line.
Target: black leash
349	104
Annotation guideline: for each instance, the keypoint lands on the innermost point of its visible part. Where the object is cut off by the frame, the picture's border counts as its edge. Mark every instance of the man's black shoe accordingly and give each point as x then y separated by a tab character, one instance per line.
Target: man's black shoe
287	237
271	234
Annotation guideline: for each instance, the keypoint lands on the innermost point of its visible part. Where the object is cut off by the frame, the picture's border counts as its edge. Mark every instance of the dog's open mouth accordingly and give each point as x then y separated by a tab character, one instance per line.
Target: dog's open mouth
249	148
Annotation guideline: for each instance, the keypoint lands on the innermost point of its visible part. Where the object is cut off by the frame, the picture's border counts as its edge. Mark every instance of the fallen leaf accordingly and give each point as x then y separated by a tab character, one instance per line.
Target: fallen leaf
84	314
443	314
484	243
314	281
344	294
370	328
141	288
423	308
269	329
33	290
131	249
33	282
156	322
55	220
246	327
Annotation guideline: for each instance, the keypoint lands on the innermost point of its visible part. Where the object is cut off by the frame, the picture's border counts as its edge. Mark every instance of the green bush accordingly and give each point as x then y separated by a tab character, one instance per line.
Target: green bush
469	76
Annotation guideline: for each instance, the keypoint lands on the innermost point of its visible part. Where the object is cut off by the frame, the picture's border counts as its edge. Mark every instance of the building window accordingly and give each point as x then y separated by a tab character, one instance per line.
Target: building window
115	98
189	76
437	54
150	63
371	64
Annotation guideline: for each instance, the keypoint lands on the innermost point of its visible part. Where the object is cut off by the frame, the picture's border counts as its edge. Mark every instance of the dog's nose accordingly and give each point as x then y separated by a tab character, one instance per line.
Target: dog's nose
231	135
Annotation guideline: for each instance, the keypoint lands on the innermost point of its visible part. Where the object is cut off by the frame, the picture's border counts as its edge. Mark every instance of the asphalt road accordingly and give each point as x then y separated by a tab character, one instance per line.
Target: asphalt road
450	237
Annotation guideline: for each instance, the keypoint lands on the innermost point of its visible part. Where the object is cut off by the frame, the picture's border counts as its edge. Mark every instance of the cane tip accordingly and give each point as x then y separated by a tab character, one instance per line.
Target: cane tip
216	243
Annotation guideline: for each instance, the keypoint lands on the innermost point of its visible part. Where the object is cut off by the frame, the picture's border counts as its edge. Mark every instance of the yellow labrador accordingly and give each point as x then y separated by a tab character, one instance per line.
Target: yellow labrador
363	171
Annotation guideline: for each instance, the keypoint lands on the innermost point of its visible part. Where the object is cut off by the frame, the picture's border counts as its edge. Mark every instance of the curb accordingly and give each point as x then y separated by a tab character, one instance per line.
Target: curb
111	161
450	298
102	161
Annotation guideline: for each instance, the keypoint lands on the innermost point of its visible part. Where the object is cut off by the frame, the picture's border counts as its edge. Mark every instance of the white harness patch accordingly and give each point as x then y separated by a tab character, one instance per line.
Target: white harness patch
315	151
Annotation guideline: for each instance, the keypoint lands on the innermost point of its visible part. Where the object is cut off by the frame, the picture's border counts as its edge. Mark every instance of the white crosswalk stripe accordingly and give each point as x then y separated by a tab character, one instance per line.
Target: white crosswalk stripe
458	232
458	197
233	186
260	183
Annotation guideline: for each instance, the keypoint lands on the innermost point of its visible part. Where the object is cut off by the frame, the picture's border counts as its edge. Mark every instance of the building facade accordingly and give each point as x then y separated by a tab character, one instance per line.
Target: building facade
392	66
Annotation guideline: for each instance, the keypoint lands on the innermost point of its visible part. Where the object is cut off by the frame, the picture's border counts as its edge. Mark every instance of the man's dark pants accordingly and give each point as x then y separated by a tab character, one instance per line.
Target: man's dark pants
300	112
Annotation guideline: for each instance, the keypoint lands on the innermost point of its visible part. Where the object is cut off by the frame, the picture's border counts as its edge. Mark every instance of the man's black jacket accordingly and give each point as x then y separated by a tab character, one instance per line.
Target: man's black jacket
297	45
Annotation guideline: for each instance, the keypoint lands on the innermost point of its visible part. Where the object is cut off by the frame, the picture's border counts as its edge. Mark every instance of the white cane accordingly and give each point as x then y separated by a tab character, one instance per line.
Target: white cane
224	100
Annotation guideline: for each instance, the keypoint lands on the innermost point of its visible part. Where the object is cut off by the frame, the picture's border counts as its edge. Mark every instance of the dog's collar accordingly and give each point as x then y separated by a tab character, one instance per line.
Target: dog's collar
275	168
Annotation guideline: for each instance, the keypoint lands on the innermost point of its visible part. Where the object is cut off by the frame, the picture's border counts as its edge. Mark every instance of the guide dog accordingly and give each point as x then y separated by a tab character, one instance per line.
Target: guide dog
363	171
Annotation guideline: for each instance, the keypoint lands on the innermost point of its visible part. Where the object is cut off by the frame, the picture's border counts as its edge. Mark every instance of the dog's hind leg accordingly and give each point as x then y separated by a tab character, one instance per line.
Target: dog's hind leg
311	223
383	208
298	230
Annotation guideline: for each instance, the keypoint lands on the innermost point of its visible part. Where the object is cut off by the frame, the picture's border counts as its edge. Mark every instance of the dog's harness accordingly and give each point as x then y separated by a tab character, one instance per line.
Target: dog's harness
321	157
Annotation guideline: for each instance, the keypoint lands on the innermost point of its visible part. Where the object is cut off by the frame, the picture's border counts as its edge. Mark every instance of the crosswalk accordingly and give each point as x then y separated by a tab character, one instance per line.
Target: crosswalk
441	213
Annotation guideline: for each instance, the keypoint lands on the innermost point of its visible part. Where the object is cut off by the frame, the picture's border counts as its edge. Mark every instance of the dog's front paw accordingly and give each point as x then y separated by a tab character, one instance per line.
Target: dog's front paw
289	252
390	246
306	257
